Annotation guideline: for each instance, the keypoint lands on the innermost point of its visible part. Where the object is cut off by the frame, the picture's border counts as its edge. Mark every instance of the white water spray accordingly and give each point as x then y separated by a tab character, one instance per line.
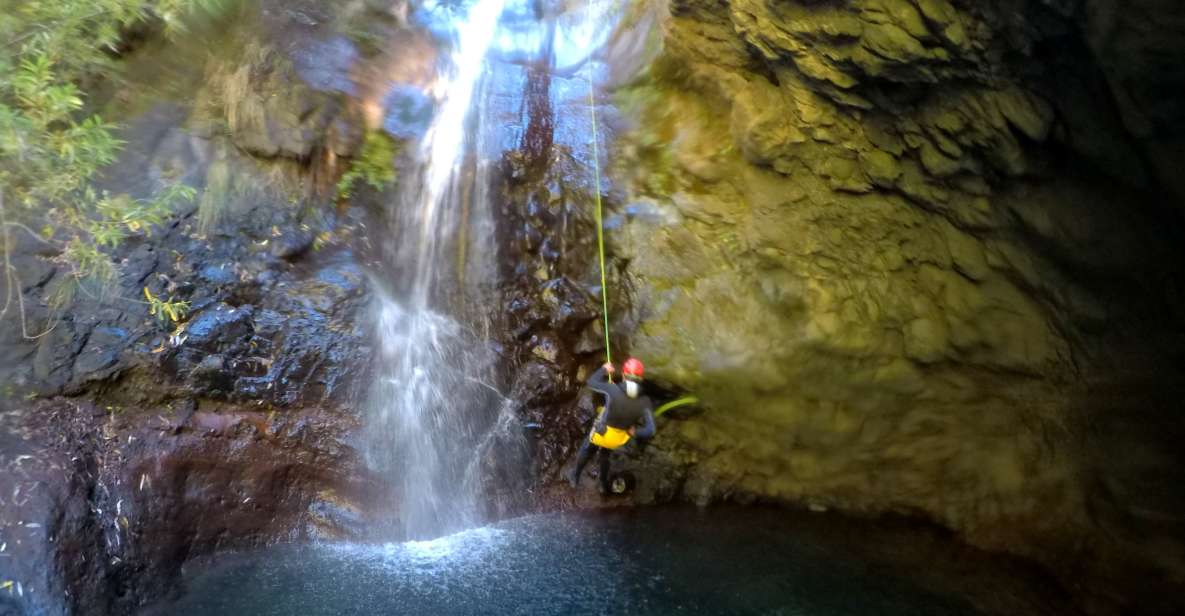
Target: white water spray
445	140
437	425
431	403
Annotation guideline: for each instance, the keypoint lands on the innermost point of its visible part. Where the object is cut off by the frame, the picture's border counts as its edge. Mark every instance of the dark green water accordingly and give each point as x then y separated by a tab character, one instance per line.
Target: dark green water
650	561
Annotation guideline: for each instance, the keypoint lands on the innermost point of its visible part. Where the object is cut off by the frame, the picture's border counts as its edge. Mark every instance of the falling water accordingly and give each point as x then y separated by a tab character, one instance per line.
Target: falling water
432	402
437	422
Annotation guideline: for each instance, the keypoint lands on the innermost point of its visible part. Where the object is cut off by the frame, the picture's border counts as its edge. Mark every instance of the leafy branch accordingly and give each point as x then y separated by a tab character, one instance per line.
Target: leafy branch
52	147
165	311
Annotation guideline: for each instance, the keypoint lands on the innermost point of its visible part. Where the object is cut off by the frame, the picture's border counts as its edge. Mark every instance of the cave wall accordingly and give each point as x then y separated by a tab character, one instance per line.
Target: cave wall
897	248
1138	47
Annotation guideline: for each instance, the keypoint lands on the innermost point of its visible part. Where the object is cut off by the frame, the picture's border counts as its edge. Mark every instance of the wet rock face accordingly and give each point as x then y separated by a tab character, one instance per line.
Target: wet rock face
892	244
101	509
551	307
129	444
258	329
229	429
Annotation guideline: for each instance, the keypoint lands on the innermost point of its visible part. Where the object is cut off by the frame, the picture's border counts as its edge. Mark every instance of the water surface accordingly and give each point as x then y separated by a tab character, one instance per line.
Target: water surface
650	561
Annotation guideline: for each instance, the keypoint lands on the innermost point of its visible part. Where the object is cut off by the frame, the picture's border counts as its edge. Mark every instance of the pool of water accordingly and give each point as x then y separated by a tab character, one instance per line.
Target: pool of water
649	561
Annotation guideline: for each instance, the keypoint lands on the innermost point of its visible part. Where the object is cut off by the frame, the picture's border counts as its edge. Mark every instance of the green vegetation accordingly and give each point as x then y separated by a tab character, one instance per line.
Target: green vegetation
52	146
375	165
165	311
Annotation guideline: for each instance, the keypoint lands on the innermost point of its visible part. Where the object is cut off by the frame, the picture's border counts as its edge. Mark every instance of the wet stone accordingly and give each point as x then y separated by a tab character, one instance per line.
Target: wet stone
292	243
101	351
219	326
546	347
570	307
221	274
211	374
538	383
408	111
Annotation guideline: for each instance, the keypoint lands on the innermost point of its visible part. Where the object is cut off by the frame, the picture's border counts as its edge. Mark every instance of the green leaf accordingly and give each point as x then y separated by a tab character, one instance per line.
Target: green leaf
51	148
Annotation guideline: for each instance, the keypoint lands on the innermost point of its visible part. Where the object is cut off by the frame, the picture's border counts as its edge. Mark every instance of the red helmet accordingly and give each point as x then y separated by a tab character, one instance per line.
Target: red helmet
632	369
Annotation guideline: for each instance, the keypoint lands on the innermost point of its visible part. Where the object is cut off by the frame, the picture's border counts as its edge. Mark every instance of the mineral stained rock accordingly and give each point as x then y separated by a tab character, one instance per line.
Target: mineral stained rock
901	253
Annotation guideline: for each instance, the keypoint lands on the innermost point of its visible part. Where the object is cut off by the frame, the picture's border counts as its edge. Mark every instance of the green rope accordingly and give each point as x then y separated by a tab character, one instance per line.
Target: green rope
592	108
685	400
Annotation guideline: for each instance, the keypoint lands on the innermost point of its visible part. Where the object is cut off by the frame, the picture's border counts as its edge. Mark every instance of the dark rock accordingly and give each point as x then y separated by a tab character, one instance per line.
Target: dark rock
140	263
292	243
219	326
538	383
101	352
525	316
546	347
34	271
408	111
265	278
549	251
218	275
591	339
570	306
109	507
325	64
211	376
532	238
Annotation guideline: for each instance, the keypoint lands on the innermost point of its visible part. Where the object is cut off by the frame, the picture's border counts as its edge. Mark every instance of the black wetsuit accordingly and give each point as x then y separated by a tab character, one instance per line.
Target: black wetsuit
621	412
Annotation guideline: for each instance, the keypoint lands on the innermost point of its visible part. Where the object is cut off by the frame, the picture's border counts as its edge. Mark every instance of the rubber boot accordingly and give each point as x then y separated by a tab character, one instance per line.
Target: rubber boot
603	477
582	458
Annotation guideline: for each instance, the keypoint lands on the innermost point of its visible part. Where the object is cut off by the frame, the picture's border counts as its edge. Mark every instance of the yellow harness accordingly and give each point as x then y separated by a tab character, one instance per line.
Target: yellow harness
612	438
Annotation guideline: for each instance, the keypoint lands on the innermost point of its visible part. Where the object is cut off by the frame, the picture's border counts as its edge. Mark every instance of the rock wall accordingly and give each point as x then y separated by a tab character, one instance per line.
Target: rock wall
102	509
894	246
915	256
131	445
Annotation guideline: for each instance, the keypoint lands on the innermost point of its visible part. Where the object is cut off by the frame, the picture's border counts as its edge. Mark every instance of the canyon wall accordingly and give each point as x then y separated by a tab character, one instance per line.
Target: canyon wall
918	257
915	256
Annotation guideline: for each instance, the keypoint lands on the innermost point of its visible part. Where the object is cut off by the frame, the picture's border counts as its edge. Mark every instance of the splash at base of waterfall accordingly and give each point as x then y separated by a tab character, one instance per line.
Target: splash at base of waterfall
649	561
436	423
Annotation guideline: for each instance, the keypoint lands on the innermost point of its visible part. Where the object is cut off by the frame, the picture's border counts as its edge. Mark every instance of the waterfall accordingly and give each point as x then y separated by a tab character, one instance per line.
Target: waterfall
436	423
432	406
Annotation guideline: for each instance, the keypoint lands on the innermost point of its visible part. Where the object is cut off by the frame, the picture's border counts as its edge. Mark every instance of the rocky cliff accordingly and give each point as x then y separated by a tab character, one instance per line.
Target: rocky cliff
915	256
919	256
132	442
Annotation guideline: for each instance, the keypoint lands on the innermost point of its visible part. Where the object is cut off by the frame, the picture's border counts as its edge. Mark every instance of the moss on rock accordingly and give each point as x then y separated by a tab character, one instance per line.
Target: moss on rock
872	289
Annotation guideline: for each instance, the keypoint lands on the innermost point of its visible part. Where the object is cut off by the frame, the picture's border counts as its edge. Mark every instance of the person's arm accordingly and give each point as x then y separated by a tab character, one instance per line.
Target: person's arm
647	429
599	424
600	381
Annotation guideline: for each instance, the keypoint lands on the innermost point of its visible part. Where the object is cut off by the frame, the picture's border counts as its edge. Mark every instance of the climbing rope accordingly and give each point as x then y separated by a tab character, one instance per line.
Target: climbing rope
592	109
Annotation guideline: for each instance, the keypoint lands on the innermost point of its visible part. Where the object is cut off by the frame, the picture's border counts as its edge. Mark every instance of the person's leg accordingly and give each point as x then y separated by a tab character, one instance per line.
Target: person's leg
603	461
582	458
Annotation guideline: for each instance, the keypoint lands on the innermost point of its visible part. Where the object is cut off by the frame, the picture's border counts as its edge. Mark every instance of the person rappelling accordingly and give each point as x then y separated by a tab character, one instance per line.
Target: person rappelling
626	415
